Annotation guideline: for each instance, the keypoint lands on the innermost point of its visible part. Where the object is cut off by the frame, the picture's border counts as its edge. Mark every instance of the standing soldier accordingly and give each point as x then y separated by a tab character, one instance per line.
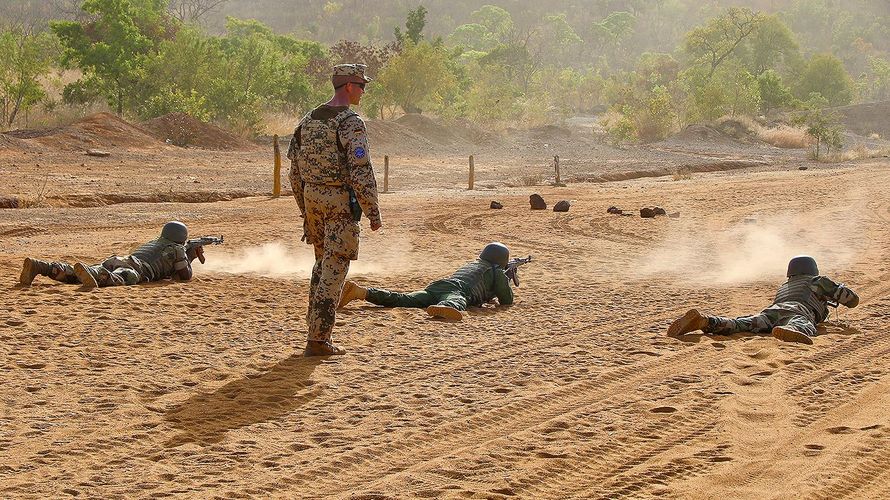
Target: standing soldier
333	182
800	304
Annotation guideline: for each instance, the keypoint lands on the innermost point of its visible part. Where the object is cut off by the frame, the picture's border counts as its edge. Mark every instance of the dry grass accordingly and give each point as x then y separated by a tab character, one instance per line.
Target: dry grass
874	135
681	174
858	152
531	180
785	136
782	136
39	197
279	122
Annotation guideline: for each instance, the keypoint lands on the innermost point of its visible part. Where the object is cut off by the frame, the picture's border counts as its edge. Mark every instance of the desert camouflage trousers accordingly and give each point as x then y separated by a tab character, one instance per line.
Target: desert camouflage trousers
334	235
441	292
791	315
114	271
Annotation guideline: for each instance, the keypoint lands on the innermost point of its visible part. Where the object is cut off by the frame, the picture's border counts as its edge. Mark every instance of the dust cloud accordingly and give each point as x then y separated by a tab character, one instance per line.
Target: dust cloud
278	260
750	250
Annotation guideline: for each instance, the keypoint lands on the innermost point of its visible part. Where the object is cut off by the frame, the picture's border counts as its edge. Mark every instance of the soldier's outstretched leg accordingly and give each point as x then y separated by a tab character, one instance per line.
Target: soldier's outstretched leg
449	307
324	302
794	328
694	320
421	298
32	268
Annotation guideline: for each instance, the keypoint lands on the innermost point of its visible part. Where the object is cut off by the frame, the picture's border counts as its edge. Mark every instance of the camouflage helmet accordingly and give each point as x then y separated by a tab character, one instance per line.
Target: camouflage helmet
175	231
496	253
349	73
802	264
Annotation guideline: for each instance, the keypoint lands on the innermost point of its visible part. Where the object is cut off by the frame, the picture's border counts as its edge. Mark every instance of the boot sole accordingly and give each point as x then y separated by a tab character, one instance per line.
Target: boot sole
86	279
28	274
687	323
446	312
346	296
789	335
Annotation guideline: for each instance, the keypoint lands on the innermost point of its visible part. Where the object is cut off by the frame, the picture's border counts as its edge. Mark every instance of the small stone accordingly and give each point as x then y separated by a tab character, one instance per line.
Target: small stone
496	205
537	202
675	215
802	168
562	206
614	210
97	152
659	211
647	212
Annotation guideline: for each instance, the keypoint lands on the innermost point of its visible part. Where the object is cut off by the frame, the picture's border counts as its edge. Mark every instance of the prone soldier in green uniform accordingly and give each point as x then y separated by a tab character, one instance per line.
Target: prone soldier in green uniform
333	182
474	284
161	258
800	304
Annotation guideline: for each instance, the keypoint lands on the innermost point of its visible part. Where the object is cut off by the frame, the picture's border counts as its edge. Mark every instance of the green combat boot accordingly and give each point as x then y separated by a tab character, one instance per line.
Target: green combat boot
85	276
445	312
31	269
322	348
689	322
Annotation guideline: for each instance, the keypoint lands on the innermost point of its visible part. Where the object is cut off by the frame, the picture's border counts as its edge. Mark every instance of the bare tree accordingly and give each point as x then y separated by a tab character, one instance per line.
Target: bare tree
194	10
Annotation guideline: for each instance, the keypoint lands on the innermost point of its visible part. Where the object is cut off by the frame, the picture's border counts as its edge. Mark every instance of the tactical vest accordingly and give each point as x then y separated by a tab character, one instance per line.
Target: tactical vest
476	280
318	149
155	259
799	289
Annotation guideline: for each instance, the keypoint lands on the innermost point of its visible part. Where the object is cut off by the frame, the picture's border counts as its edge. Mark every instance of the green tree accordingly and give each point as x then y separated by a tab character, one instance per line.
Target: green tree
824	127
111	48
416	79
27	56
825	74
773	92
772	46
719	38
414	25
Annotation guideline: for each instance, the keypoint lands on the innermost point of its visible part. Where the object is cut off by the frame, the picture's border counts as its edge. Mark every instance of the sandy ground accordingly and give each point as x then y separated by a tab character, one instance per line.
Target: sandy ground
200	390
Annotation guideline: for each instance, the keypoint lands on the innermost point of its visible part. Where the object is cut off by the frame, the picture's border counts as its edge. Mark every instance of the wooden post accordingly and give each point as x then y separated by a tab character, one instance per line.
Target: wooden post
276	182
556	166
386	173
472	173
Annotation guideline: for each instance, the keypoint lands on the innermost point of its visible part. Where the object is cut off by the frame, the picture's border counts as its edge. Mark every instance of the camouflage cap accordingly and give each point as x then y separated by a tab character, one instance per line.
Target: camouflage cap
349	73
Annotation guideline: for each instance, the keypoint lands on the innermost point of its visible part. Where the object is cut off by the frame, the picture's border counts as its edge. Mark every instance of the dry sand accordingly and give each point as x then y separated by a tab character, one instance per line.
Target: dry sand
200	390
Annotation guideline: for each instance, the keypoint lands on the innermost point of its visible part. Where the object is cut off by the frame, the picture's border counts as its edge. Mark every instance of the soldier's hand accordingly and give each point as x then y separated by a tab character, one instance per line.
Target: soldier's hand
375	225
196	253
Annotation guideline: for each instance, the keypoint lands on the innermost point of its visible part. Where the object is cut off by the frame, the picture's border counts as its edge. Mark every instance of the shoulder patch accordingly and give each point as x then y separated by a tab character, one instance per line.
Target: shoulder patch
359	152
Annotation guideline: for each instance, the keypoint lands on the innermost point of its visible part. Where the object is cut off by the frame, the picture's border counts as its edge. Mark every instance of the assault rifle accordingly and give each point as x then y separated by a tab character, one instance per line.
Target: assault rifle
512	270
196	243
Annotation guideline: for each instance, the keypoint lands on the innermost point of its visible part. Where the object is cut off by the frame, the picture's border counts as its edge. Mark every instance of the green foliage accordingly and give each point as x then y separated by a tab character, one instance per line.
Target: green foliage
413	26
656	118
773	92
825	74
26	57
824	127
710	45
112	47
772	45
416	79
731	90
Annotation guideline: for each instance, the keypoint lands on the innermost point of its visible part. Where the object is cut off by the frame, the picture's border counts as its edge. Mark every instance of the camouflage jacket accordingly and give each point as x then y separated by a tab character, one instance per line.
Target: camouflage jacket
330	147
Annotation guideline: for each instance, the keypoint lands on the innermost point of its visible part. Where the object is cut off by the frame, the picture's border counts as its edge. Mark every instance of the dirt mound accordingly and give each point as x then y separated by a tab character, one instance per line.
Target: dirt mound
738	130
391	137
730	132
10	143
867	119
101	130
183	130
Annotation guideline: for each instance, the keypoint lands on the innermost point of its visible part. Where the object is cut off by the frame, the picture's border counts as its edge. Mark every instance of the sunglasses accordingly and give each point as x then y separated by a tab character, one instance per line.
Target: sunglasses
360	85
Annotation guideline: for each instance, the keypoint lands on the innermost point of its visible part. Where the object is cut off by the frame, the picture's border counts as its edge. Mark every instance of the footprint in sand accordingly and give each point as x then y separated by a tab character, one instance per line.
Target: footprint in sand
842	429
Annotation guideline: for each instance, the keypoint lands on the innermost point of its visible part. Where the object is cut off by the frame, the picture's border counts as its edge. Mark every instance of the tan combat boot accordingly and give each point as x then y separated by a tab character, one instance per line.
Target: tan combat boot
85	276
31	268
689	322
446	312
322	348
352	291
789	335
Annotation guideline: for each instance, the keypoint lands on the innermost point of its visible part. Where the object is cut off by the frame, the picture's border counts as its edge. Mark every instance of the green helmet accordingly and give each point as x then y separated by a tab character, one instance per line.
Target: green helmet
802	264
496	253
175	231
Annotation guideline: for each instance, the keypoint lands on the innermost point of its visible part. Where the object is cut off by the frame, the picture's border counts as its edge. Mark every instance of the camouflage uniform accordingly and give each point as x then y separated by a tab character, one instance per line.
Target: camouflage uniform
156	260
473	284
799	305
330	162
